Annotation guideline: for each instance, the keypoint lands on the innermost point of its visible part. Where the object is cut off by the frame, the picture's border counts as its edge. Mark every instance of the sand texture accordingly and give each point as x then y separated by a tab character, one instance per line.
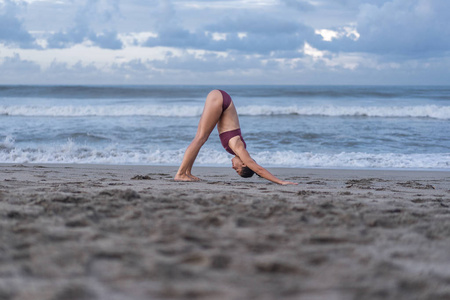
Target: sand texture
130	232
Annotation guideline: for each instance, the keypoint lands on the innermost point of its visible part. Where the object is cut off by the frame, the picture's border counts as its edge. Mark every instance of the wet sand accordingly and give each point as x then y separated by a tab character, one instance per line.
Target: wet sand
131	232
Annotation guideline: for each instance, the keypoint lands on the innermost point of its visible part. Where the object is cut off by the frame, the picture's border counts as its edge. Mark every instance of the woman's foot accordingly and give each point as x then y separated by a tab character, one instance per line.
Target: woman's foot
194	177
185	177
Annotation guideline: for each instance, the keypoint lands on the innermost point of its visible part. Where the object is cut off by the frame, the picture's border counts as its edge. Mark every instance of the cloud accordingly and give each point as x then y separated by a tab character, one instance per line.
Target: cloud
207	62
88	14
250	42
199	67
245	31
405	27
300	5
411	28
12	31
14	70
15	64
107	40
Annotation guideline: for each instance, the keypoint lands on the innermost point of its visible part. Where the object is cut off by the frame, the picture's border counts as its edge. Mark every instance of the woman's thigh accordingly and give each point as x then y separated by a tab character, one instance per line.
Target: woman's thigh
212	112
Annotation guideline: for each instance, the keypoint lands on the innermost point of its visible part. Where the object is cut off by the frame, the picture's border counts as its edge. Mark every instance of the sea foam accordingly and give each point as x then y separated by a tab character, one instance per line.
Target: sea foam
71	152
419	111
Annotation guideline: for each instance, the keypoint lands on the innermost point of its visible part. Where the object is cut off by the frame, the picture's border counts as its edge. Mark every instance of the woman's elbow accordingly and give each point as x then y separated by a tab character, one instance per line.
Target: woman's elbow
257	169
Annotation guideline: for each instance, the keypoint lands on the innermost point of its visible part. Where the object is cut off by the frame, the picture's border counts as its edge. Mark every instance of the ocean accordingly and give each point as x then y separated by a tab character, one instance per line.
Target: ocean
351	127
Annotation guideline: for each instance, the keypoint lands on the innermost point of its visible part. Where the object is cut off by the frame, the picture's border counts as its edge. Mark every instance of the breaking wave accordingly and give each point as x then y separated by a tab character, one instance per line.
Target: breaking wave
422	111
72	152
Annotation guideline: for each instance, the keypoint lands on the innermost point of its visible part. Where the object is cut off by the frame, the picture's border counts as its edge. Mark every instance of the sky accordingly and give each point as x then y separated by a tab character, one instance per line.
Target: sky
210	42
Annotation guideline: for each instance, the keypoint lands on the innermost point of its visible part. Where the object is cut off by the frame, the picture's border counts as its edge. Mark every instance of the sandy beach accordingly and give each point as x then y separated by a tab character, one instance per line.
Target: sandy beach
131	232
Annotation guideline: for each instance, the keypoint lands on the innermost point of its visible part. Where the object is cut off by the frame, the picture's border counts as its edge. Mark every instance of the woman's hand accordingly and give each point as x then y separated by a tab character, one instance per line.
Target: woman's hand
287	183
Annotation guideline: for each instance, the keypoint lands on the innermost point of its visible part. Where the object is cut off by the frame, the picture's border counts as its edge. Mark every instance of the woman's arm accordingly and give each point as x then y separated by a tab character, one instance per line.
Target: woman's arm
238	148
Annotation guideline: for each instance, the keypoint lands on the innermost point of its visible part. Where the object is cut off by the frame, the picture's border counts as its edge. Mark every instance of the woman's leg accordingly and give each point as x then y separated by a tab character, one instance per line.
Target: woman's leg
210	116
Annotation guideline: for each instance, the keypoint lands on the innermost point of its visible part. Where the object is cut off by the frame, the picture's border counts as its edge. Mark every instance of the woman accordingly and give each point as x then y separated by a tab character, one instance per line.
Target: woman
220	110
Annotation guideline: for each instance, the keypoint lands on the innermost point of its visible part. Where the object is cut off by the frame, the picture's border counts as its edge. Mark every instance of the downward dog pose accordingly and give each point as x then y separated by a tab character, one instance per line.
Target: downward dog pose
220	110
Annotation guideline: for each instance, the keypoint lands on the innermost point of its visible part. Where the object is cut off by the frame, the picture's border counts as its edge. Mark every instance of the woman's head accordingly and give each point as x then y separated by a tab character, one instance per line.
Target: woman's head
246	172
241	168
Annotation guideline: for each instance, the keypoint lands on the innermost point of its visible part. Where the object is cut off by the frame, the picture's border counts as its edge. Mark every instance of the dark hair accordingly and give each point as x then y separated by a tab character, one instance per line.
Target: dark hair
246	172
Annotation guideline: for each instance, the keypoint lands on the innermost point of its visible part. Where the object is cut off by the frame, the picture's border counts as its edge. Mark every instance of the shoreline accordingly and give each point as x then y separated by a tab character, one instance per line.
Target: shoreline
49	164
72	231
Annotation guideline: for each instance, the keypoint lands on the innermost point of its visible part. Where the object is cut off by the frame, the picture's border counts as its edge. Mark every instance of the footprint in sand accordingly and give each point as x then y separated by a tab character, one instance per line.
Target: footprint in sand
416	185
141	177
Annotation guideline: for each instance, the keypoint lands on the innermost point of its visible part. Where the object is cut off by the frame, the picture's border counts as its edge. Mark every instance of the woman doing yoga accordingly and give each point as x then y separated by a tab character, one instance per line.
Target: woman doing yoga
219	110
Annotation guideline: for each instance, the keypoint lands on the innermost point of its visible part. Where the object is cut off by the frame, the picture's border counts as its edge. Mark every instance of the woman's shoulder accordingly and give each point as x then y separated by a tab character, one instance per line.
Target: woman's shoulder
236	142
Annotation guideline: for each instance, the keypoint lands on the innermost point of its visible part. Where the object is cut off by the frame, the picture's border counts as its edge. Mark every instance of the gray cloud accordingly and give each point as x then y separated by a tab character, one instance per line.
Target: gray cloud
14	70
256	23
409	28
263	34
208	62
351	4
300	5
82	30
15	64
212	69
12	30
251	43
405	27
106	39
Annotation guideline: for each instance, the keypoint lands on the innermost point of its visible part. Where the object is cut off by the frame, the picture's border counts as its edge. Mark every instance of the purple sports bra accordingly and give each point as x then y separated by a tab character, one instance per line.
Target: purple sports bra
227	135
